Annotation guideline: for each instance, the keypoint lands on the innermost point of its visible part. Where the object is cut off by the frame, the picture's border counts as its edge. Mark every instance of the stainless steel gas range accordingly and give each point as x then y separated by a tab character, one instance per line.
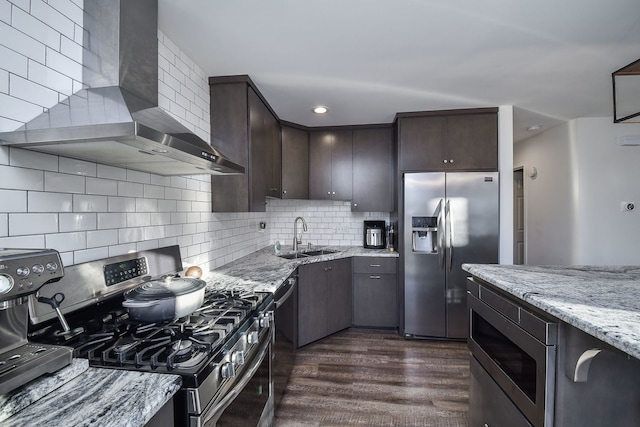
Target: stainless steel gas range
222	351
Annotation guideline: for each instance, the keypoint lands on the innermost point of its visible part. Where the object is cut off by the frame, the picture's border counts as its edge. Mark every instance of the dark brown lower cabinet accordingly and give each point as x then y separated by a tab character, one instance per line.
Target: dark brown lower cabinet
324	299
375	285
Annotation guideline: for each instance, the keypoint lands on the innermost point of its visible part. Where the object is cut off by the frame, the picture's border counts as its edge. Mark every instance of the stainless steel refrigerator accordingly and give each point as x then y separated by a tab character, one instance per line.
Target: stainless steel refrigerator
448	219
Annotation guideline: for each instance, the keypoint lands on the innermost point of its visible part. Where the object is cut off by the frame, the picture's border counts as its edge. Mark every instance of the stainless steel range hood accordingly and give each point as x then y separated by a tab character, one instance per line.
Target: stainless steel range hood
117	120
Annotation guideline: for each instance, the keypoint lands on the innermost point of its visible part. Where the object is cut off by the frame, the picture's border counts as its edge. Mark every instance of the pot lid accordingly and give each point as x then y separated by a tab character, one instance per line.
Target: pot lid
169	287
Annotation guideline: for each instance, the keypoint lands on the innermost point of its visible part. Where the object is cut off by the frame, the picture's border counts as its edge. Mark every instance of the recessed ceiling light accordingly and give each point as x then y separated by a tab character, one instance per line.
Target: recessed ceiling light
320	109
533	128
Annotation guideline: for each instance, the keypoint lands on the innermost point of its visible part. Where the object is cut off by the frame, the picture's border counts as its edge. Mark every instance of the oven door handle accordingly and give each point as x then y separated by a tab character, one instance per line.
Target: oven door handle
235	391
285	297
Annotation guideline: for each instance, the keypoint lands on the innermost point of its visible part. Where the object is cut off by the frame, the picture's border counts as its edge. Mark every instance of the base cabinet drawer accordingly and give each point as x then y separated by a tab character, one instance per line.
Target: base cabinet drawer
375	300
488	405
375	265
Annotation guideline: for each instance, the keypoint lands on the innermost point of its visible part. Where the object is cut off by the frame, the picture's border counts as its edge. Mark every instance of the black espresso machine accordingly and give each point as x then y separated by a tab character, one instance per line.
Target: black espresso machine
22	273
374	235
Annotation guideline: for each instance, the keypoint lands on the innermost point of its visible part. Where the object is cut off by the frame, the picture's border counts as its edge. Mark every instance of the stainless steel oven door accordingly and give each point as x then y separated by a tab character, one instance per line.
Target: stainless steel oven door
250	401
522	365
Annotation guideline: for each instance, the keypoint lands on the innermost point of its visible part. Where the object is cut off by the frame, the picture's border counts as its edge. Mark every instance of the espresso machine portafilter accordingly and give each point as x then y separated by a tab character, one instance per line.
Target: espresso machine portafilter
22	273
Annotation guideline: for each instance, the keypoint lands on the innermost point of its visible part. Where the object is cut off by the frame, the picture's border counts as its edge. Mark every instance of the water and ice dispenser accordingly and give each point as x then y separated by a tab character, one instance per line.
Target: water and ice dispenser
424	231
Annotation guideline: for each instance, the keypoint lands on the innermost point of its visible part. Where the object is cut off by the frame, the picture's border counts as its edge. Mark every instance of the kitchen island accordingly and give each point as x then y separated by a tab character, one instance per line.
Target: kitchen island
596	368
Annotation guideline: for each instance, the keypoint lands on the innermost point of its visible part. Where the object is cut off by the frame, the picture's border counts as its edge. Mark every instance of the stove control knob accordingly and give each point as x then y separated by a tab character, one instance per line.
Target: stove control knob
228	370
252	338
37	268
265	320
6	283
238	358
51	266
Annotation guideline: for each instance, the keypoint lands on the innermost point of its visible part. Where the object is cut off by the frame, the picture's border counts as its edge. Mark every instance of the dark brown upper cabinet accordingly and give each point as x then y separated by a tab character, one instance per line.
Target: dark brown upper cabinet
330	164
295	163
248	132
452	140
373	170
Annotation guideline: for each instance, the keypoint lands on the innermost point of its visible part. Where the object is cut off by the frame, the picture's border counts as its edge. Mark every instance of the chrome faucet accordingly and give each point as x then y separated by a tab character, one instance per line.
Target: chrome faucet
298	239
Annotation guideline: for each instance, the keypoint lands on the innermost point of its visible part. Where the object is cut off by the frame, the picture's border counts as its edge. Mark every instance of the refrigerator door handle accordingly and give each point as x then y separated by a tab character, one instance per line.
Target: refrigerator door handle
449	234
440	234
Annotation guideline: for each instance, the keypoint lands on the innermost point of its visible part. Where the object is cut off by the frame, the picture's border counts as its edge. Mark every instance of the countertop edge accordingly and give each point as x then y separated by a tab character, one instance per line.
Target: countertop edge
577	306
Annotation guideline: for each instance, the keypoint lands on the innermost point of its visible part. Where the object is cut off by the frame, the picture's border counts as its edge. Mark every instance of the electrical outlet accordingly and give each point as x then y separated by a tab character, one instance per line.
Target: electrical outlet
627	206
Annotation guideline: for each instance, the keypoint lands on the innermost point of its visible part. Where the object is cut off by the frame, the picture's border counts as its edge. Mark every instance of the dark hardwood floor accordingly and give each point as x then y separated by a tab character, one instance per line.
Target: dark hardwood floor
357	378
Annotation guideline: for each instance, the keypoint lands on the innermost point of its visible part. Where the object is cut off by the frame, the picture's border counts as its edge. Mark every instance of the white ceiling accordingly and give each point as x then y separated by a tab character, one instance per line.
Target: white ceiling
369	59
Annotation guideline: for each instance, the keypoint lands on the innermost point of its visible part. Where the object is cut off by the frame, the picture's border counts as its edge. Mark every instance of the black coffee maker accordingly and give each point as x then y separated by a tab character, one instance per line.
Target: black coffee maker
374	235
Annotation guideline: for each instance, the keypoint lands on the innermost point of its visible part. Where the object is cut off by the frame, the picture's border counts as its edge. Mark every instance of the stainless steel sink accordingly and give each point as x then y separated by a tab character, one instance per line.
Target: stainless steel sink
307	254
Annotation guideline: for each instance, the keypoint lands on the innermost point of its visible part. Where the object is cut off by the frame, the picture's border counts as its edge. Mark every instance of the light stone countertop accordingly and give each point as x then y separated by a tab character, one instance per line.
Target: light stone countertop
100	398
603	301
84	396
264	271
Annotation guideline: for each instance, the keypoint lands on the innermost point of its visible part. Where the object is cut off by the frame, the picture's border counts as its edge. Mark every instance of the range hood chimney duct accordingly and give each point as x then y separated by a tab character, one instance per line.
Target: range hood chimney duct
117	120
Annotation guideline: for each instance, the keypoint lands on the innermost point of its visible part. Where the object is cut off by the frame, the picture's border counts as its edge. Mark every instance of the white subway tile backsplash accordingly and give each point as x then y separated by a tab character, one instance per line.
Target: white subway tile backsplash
147	244
139	177
112	220
138	219
178	217
167	205
21	224
22	43
105	187
37	29
173	193
33	160
130	189
64	64
153	192
122	249
87	255
64	242
77	222
69	9
34	241
111	172
54	18
160	218
88	203
13	62
154	232
13	200
4	79
102	238
60	182
5	11
78	167
53	79
17	110
129	235
146	205
38	201
21	178
4	155
122	204
4	225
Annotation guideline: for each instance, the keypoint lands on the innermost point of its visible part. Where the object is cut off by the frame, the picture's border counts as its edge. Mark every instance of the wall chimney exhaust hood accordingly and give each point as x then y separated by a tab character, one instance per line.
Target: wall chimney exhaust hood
626	93
117	120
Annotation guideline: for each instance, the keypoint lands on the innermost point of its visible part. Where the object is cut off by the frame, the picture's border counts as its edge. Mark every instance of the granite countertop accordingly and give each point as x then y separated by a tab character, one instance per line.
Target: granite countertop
602	301
96	397
84	396
264	271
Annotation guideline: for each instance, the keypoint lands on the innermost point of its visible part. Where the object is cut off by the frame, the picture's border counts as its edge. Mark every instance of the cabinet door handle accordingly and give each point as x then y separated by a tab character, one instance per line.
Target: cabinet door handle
284	191
374	277
450	160
329	192
445	161
374	265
